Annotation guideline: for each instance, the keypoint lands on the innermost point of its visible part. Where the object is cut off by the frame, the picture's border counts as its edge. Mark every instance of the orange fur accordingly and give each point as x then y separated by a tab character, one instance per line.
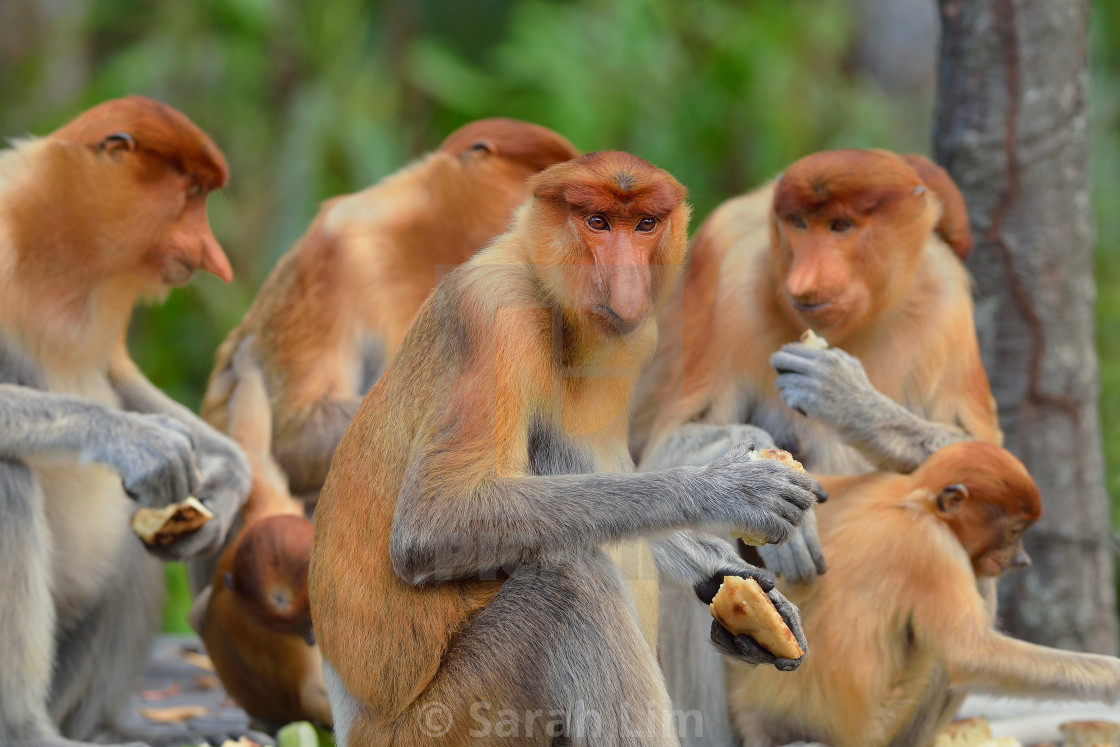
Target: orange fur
899	619
367	263
359	274
481	363
901	304
256	619
69	278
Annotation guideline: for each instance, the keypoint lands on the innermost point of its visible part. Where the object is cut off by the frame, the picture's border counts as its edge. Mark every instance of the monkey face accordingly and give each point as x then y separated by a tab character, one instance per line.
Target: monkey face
847	231
152	172
621	223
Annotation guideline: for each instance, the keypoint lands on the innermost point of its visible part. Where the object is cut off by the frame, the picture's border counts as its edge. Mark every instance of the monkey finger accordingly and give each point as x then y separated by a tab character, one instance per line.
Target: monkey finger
741	647
801	566
809	483
707	589
787	360
791	617
813	543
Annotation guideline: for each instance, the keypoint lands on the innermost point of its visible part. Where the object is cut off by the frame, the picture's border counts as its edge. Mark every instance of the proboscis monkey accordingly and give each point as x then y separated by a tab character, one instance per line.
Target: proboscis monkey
458	573
255	617
898	625
864	248
334	310
331	317
108	209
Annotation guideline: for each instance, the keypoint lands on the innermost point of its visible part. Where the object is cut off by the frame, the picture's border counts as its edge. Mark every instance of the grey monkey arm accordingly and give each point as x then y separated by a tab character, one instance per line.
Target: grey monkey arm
154	455
511	521
225	474
831	386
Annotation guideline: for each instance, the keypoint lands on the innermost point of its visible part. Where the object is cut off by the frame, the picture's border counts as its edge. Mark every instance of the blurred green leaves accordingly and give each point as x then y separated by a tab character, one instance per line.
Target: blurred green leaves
310	99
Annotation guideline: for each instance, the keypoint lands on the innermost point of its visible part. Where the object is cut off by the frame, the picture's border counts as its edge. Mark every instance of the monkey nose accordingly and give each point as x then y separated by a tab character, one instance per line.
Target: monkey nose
1020	559
214	261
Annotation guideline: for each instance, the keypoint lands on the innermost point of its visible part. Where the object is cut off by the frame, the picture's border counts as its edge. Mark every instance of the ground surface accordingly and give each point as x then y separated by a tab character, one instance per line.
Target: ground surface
177	677
1033	721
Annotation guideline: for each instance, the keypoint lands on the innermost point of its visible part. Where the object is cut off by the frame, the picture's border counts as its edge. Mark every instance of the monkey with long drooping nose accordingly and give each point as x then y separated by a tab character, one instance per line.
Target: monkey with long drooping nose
106	210
459	569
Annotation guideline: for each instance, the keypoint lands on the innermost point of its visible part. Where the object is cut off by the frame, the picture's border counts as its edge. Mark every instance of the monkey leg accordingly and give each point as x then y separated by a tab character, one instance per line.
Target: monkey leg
101	655
693	668
27	615
556	658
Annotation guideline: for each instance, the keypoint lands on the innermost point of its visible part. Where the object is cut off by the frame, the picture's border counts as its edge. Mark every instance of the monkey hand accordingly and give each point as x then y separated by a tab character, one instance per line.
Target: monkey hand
761	496
707	589
748	650
800	560
154	454
828	384
222	488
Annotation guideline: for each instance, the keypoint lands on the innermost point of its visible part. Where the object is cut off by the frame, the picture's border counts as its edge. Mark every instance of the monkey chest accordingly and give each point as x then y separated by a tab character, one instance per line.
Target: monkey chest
87	510
551	453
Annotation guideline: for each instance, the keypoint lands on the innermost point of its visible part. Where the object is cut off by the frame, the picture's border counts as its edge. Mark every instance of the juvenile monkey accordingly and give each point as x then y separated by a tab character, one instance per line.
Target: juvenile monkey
898	625
108	209
457	572
255	616
334	310
864	248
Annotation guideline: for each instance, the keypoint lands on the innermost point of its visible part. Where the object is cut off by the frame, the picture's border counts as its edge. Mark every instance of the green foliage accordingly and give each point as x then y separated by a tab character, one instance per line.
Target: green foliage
312	99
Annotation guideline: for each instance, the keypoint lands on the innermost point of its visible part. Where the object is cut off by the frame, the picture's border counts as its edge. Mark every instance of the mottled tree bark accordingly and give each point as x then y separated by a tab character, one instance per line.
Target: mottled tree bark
1013	130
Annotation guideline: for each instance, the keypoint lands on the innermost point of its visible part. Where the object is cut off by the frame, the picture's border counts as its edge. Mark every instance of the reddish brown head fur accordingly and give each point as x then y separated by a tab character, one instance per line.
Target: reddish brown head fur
158	130
270	571
622	222
998	502
127	184
525	143
607	181
848	232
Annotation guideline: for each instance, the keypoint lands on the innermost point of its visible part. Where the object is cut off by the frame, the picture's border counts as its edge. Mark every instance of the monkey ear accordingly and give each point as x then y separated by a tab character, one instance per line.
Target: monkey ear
950	499
118	142
953	227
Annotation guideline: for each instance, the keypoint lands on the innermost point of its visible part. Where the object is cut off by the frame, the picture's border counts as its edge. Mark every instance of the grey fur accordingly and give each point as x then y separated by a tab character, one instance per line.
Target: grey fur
691	664
525	519
154	454
224	473
56	639
303	444
801	559
831	386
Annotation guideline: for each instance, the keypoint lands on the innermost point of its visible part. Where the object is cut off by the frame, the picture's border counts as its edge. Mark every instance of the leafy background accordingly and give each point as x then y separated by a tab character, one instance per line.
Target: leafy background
312	99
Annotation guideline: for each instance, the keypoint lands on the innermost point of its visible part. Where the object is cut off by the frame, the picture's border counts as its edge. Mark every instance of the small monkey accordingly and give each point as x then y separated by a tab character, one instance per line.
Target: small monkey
899	626
457	571
255	616
108	209
864	248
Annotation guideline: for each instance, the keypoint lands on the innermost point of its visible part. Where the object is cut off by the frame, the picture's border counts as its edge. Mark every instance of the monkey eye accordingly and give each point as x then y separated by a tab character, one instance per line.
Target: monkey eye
797	222
840	225
117	141
645	225
599	223
194	190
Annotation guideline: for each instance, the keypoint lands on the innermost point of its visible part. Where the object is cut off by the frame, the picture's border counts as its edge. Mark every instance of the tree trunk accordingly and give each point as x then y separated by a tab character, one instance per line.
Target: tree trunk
1013	130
